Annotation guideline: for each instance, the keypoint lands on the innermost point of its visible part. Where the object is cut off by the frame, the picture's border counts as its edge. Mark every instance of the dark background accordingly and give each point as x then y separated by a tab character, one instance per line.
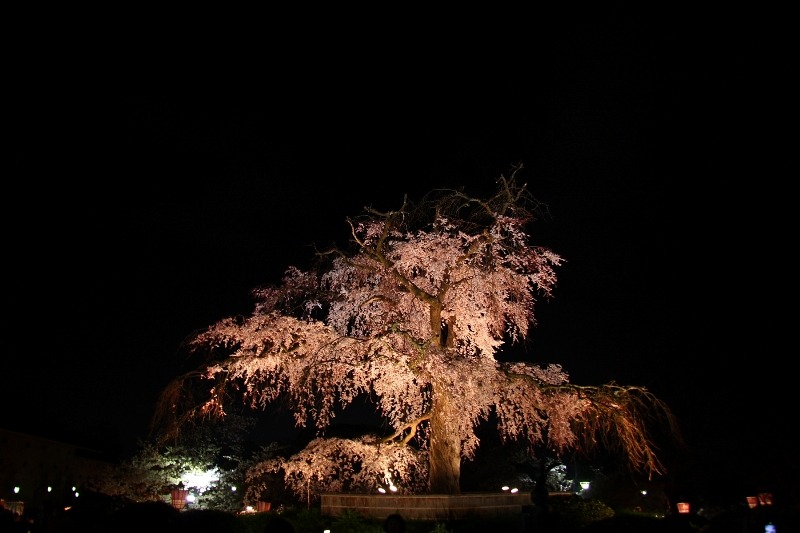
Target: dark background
143	203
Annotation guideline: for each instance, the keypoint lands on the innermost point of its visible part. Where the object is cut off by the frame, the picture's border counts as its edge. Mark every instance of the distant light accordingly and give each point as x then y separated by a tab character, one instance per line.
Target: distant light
74	488
752	502
49	489
392	488
77	494
585	485
233	488
514	490
644	493
190	498
683	507
505	487
16	490
249	509
381	490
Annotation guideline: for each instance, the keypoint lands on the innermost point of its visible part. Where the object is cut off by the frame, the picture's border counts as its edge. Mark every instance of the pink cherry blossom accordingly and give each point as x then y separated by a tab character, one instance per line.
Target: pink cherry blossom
413	317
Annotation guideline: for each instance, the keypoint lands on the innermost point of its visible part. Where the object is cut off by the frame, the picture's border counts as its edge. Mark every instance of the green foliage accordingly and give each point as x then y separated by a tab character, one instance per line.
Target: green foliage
144	477
212	520
254	522
440	528
306	520
557	478
350	521
209	460
576	513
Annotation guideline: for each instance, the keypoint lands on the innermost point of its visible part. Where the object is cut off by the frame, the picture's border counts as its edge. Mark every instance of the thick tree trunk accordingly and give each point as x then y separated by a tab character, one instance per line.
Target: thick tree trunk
445	446
540	492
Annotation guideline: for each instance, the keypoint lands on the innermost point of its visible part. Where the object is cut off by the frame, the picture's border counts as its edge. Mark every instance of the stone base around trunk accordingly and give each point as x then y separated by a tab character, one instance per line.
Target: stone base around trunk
427	506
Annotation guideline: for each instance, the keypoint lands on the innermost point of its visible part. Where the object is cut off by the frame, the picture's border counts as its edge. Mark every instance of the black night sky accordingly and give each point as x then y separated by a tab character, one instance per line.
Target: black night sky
141	207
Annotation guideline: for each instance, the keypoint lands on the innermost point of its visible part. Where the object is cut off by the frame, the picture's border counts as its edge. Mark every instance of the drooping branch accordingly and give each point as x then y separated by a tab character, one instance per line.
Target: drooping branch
586	418
618	418
178	407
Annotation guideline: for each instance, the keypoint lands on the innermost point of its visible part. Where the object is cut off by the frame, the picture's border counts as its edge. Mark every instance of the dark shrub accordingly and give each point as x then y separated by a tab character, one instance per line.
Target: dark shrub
151	517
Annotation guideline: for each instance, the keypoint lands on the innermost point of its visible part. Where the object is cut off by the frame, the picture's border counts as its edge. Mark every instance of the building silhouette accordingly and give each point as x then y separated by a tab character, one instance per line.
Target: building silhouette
38	474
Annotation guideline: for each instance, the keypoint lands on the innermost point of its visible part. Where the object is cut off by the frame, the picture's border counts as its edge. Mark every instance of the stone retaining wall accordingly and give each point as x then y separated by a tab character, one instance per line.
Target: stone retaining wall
427	506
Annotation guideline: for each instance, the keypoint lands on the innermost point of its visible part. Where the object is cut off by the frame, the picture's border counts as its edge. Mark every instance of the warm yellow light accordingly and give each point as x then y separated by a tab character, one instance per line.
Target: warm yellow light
752	502
683	507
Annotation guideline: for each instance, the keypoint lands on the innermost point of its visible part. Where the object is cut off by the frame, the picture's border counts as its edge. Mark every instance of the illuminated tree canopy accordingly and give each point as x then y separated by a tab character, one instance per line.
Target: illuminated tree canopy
413	315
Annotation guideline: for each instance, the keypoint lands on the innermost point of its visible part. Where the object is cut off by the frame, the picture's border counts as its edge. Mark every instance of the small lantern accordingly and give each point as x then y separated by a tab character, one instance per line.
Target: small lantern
765	498
263	507
683	507
179	498
752	502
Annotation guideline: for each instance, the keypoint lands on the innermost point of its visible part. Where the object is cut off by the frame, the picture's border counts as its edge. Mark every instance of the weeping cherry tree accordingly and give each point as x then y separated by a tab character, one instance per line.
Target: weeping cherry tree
413	315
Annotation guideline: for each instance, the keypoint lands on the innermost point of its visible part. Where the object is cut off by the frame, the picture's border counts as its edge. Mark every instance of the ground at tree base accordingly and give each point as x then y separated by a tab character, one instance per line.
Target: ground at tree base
154	517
